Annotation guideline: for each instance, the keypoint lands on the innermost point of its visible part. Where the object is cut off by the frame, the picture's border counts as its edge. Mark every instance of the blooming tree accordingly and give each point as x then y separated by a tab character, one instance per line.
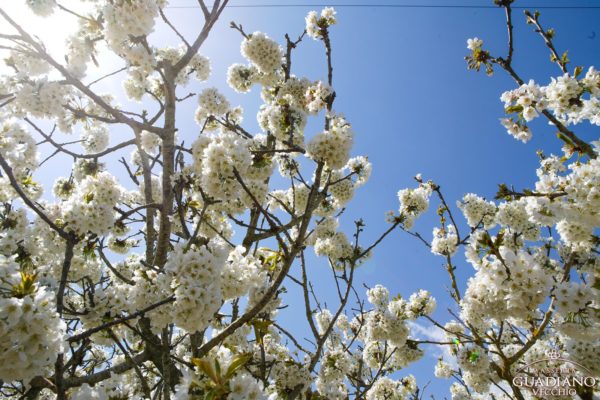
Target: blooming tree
162	275
534	251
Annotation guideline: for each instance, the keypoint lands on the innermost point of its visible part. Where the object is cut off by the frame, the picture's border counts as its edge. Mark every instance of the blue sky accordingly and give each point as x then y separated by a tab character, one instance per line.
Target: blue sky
402	82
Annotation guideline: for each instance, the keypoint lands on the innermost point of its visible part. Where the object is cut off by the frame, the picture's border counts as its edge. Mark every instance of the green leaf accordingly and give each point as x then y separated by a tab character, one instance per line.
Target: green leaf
503	192
517	108
564	138
206	368
211	395
26	286
474	356
88	197
564	59
238	362
486	240
195	204
271	260
499	239
218	372
261	328
28	181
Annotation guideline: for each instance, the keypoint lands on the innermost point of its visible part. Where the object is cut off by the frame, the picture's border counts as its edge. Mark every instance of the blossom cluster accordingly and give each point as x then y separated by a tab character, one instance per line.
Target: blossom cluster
315	23
516	272
31	332
570	99
386	345
413	203
332	146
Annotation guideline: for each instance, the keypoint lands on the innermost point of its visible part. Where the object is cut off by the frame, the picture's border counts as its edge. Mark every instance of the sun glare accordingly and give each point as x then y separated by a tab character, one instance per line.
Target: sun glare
51	31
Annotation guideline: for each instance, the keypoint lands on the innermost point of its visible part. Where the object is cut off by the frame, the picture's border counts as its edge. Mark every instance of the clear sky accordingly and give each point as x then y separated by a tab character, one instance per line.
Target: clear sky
402	82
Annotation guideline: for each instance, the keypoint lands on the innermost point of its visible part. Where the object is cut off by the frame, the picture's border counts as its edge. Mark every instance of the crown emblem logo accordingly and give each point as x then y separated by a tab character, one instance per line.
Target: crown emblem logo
553	354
